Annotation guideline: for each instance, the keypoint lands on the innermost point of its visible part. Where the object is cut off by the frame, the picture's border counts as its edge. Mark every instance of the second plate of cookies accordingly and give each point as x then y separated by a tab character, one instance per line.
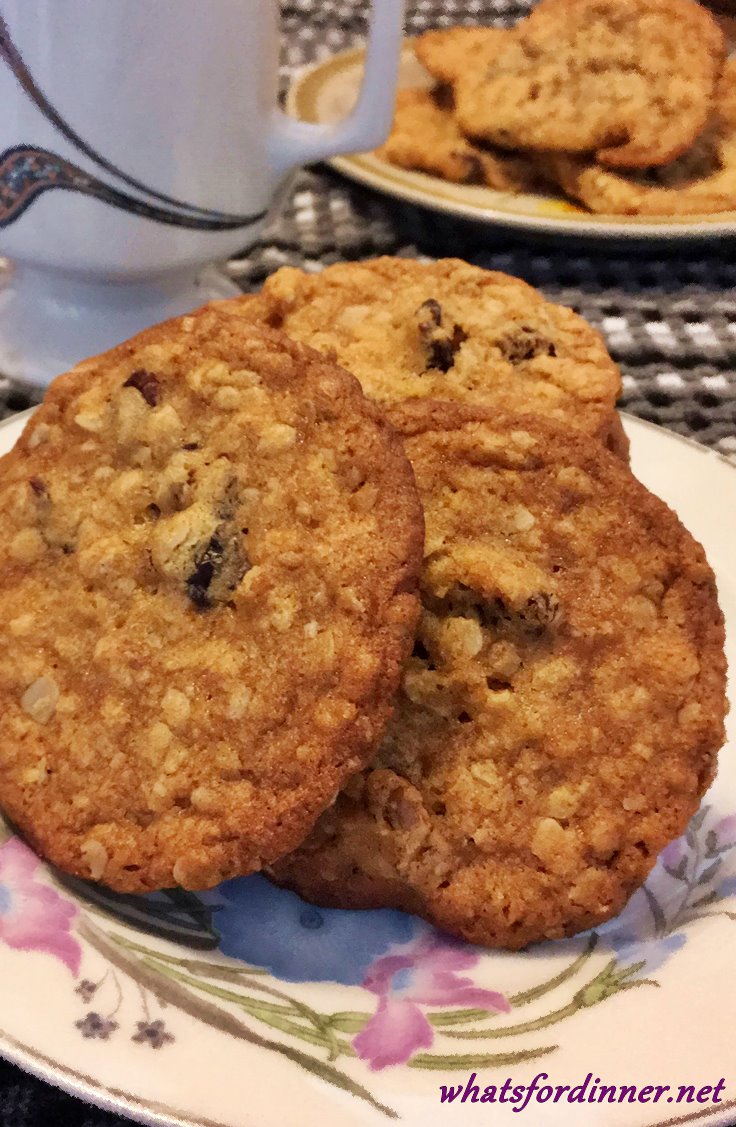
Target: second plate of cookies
425	163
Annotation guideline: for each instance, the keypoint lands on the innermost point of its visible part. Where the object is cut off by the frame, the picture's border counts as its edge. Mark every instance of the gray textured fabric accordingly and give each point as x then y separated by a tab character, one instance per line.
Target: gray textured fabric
669	319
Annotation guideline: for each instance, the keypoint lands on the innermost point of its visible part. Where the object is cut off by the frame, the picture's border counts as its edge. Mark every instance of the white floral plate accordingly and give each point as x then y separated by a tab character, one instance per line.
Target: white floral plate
246	1007
326	92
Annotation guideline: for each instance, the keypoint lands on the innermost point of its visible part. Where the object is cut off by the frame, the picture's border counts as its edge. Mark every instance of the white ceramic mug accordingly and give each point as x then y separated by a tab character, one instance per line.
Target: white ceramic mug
140	140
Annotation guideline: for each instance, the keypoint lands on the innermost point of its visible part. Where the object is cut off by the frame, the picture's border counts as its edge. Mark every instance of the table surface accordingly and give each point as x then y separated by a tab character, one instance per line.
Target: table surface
669	318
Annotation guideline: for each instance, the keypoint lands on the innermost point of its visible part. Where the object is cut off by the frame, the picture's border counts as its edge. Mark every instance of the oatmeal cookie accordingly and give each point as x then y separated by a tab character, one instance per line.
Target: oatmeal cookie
425	138
207	586
446	53
702	181
560	716
631	80
446	330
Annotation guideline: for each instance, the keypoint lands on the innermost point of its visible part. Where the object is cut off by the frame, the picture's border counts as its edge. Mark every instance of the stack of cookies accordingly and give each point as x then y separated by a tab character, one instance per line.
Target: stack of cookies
628	106
412	636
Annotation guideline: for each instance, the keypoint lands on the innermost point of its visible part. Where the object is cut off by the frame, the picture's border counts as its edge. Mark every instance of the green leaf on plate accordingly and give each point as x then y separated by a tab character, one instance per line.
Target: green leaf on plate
347	1022
477	1060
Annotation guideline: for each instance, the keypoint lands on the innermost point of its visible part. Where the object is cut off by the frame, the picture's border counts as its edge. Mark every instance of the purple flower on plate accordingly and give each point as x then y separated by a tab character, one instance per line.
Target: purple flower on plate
95	1026
86	990
643	934
726	888
152	1033
33	917
423	973
653	952
672	854
725	831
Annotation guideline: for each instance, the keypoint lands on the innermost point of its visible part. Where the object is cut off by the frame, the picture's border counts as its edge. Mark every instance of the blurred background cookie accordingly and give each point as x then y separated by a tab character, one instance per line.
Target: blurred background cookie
702	180
425	137
632	80
449	52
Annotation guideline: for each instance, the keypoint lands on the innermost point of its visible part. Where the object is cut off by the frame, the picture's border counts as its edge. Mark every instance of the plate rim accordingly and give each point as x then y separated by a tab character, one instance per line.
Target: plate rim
417	190
95	1094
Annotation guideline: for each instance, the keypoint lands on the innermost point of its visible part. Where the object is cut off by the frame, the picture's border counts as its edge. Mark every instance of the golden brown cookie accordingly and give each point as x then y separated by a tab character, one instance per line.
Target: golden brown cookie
631	80
207	585
561	713
701	181
447	330
425	138
448	52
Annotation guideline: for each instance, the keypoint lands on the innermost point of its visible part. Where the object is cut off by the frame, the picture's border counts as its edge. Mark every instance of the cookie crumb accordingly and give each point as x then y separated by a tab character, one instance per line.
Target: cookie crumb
175	706
40	699
95	856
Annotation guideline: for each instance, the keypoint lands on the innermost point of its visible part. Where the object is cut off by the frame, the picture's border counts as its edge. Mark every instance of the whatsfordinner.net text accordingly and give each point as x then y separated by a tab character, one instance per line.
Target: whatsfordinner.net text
591	1090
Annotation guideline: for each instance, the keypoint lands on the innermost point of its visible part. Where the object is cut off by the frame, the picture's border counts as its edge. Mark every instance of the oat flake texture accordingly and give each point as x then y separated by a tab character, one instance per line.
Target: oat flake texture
448	330
560	716
207	588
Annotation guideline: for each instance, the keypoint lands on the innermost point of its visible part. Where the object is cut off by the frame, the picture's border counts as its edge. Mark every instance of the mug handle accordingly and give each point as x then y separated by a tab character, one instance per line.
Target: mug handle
292	142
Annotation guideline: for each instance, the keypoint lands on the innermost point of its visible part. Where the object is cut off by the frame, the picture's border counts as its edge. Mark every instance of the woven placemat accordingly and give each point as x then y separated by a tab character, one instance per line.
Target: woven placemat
669	318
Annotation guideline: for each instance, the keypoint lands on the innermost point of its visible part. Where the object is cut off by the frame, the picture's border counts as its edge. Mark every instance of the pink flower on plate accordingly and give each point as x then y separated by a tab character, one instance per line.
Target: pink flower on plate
725	831
33	917
673	853
422	974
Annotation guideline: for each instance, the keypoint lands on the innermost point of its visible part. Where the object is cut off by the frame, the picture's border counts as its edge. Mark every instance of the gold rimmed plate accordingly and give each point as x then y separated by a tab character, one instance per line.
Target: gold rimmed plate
328	91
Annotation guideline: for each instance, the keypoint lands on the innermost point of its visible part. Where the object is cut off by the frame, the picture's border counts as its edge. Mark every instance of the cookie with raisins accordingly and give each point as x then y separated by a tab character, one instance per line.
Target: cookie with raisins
559	719
448	330
207	587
